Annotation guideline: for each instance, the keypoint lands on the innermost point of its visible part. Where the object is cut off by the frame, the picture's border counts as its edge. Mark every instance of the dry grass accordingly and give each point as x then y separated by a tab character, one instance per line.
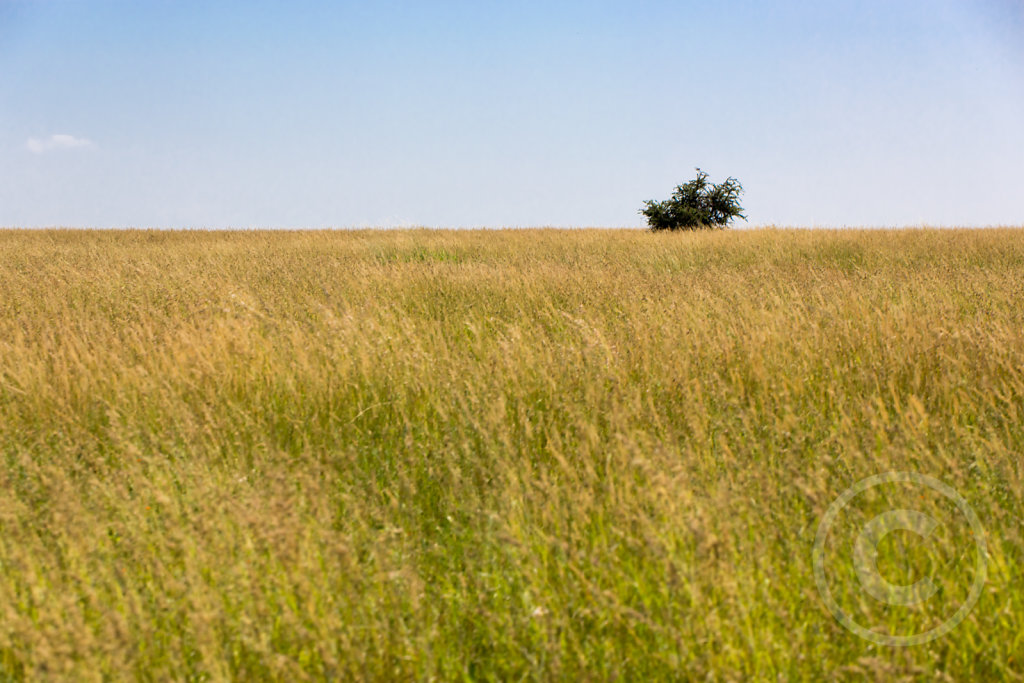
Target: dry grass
492	455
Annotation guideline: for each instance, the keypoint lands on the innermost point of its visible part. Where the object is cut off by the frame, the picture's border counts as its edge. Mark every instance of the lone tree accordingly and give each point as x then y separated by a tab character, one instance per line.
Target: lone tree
696	205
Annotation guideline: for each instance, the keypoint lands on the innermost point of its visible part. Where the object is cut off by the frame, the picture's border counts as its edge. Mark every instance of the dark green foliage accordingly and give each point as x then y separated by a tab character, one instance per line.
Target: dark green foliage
696	205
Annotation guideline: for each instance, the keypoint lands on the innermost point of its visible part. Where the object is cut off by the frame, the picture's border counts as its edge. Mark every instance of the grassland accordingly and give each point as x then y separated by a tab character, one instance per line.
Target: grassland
495	455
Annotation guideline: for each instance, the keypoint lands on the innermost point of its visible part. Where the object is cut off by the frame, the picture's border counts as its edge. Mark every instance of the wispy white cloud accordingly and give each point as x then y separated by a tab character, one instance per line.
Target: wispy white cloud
58	141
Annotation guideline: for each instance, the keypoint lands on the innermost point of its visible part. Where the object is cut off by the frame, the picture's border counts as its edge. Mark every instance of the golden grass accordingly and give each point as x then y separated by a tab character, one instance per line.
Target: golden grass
493	455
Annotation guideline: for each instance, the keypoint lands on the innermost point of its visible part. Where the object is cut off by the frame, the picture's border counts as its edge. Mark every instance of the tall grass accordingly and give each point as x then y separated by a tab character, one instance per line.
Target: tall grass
490	455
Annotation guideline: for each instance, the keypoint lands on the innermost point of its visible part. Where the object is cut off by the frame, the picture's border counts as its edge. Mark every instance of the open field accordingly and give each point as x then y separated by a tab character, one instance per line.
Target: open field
500	455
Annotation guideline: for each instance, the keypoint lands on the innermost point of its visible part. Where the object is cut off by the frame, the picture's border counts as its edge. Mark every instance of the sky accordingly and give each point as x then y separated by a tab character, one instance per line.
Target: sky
501	113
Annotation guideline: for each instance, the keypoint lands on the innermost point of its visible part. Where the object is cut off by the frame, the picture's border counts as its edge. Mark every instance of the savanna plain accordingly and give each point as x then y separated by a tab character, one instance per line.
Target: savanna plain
503	455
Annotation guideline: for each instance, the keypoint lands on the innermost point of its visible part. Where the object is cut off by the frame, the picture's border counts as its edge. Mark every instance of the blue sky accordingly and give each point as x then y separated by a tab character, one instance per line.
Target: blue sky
160	113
